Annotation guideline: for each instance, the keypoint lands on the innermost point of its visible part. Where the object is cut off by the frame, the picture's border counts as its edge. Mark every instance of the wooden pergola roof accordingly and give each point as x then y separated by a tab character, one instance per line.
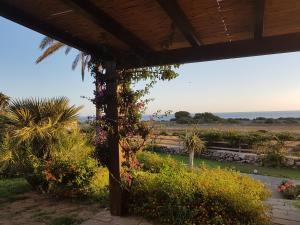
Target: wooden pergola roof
138	33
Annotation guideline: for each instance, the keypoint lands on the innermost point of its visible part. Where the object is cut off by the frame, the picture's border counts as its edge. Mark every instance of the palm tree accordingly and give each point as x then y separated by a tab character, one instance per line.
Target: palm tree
192	143
50	46
4	101
36	124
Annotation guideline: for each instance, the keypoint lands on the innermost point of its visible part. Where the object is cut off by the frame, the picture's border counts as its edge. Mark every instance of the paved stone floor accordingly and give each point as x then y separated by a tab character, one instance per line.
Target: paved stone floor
104	218
283	212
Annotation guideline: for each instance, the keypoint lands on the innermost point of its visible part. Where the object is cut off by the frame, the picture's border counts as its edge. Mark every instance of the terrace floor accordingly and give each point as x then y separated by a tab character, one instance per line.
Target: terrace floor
104	218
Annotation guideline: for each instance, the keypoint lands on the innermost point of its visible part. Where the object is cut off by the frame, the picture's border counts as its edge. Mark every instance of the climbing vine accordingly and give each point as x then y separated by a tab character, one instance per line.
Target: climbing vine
131	104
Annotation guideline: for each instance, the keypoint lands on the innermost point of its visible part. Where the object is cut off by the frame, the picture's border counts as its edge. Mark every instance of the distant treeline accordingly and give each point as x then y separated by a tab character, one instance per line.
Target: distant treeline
184	117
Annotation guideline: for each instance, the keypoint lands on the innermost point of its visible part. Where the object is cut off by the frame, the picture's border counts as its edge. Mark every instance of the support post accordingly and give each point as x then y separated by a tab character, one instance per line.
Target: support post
112	115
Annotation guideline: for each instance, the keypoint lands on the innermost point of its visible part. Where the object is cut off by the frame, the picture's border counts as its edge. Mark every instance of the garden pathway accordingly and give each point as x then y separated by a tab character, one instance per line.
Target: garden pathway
283	212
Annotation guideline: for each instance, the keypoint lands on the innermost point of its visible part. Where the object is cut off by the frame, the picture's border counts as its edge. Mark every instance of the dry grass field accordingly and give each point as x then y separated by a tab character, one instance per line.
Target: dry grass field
171	127
167	132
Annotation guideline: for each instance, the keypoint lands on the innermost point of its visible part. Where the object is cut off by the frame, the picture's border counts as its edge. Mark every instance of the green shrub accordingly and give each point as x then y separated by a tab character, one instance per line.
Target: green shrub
206	117
289	189
211	136
69	177
270	121
292	193
154	163
184	120
231	120
181	114
206	196
274	154
163	133
9	188
156	148
70	171
7	166
235	139
98	188
285	136
176	134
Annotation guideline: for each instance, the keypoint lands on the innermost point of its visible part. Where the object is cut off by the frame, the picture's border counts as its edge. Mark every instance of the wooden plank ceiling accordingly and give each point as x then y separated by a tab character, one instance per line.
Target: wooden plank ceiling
139	33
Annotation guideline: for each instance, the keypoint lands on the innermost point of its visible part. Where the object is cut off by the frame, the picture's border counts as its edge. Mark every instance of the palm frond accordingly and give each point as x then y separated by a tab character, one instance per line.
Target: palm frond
49	51
68	49
46	42
39	122
4	101
83	65
52	46
75	61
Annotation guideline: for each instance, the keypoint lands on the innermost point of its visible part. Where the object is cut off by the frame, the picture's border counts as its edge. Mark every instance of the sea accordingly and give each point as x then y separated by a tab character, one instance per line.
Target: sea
247	115
235	115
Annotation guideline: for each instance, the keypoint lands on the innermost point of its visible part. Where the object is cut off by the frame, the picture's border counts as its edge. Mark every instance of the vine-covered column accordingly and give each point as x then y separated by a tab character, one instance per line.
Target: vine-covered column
120	133
113	138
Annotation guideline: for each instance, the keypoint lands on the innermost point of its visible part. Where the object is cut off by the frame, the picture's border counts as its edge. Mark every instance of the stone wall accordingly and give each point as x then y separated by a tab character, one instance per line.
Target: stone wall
251	158
232	156
291	161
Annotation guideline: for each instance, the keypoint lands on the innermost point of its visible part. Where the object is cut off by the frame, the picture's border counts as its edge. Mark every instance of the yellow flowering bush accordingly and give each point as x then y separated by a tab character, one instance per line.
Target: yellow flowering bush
154	163
203	196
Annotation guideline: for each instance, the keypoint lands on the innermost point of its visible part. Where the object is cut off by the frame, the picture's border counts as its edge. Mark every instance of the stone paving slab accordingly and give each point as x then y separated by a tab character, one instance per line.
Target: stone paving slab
283	212
278	221
104	218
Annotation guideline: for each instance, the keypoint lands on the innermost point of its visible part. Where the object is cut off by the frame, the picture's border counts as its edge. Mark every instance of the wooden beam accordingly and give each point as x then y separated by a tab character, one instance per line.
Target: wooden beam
117	200
99	17
10	12
246	48
259	18
177	15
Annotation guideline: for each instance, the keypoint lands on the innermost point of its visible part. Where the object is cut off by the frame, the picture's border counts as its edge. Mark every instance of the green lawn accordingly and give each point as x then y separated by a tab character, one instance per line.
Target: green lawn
297	203
10	188
244	168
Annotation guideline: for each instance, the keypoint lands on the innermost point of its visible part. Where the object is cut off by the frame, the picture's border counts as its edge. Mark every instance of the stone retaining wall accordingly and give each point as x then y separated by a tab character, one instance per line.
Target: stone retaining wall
221	155
231	156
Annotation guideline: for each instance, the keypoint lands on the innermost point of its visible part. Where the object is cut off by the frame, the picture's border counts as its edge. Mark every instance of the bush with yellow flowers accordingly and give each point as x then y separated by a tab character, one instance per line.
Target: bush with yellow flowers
154	163
201	196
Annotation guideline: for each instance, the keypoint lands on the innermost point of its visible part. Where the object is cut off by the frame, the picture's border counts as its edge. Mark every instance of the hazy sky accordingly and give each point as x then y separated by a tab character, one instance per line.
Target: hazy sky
265	83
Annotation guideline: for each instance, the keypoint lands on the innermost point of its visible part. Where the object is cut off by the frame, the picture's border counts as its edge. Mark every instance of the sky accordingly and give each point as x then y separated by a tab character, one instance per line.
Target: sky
264	83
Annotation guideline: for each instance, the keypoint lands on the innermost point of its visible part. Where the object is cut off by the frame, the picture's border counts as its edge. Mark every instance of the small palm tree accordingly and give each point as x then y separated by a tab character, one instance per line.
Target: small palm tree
4	101
35	124
192	143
